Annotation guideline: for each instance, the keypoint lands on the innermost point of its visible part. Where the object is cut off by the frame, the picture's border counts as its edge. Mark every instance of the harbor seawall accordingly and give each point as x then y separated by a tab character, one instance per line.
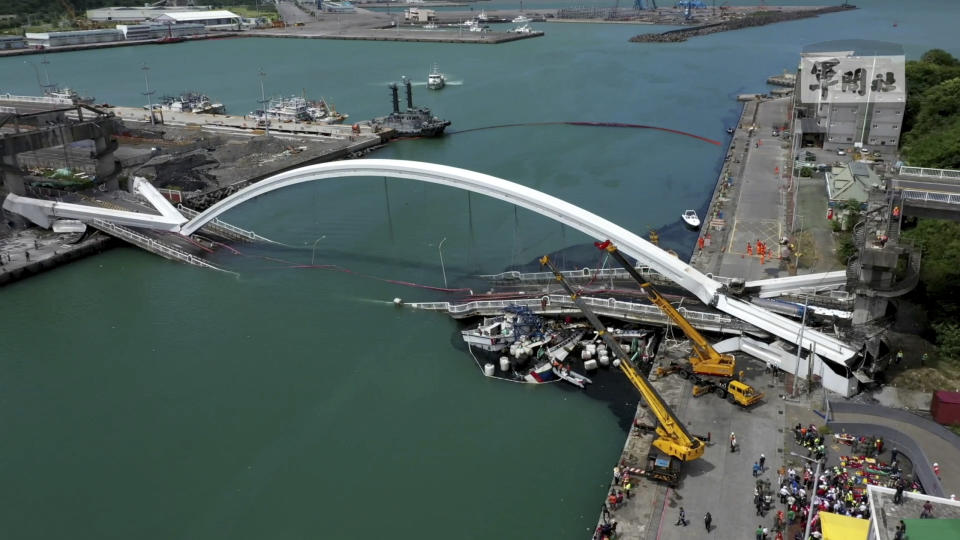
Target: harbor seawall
88	247
759	18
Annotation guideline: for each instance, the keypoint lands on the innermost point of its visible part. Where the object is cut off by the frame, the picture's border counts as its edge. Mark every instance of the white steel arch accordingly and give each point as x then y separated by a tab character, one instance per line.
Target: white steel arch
705	288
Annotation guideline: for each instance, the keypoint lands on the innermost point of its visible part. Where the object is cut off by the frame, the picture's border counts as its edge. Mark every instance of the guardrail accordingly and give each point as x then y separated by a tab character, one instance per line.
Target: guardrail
646	311
941	174
190	213
151	245
646	272
929	196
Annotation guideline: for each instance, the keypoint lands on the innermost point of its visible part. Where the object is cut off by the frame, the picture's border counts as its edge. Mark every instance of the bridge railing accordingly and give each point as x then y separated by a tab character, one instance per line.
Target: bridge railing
646	272
930	196
607	304
215	223
940	174
150	244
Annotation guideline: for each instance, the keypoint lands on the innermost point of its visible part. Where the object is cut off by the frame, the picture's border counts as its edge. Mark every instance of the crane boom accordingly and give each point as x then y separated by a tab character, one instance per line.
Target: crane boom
673	437
705	360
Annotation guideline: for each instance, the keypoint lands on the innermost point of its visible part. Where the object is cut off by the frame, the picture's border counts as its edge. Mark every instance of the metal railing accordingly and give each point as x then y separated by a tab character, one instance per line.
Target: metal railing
151	245
646	311
930	196
941	174
646	272
215	224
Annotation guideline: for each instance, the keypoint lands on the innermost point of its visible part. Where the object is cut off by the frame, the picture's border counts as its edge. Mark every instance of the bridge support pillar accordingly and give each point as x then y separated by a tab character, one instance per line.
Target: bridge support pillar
107	168
12	176
868	308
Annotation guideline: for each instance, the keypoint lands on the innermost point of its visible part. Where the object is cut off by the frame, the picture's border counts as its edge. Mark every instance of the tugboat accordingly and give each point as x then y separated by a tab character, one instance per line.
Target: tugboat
415	121
436	80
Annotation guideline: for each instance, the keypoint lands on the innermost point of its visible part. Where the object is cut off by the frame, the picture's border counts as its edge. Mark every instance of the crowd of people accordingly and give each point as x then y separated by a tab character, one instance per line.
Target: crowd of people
840	489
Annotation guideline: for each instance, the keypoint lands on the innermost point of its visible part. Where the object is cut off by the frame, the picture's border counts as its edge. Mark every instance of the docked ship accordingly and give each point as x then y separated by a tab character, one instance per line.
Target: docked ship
415	121
191	102
298	109
68	93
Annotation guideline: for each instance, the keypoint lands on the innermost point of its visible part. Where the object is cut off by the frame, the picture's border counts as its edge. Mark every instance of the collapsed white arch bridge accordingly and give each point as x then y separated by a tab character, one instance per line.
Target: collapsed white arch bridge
841	357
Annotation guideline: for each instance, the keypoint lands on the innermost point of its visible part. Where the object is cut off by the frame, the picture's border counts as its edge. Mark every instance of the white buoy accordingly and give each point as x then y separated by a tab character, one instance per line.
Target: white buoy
489	369
504	363
397	302
616	362
590	365
604	361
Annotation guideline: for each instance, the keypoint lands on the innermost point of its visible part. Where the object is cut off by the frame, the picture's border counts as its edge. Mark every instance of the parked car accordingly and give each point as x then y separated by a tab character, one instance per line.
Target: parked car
841	152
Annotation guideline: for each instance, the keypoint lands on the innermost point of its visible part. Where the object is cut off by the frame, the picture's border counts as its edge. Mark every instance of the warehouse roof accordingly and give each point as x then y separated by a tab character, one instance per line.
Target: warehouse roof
187	16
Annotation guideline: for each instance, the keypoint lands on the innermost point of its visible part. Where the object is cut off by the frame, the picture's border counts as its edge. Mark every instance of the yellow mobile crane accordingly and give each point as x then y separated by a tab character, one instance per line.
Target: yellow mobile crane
673	440
705	359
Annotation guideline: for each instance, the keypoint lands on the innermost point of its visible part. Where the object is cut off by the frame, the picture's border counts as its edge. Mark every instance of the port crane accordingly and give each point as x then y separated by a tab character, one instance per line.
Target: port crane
675	444
705	360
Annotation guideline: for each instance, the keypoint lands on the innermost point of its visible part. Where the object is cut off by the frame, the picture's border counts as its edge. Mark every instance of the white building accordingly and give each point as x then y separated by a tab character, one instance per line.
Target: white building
132	32
419	15
213	20
134	14
74	37
12	42
852	93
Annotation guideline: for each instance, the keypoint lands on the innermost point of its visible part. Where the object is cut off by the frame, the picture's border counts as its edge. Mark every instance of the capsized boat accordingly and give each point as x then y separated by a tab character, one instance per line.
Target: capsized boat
436	80
691	219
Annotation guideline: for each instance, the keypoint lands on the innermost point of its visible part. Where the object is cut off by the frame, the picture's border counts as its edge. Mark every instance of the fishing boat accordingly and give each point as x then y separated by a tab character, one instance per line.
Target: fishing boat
520	19
298	109
492	334
436	80
571	377
68	93
691	219
191	102
522	29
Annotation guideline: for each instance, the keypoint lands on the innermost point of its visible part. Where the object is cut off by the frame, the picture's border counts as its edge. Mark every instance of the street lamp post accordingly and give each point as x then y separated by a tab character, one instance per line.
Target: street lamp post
148	92
263	103
442	268
816	479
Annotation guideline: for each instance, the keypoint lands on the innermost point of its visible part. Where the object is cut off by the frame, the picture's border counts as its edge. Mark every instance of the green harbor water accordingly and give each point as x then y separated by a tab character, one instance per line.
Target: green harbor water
145	399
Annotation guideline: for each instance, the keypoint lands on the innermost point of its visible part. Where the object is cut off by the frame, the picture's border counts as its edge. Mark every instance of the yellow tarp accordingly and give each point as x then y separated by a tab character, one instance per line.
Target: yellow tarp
837	527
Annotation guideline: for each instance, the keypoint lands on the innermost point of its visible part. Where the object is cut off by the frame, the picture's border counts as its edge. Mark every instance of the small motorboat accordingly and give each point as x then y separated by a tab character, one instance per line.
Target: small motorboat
691	219
730	130
520	19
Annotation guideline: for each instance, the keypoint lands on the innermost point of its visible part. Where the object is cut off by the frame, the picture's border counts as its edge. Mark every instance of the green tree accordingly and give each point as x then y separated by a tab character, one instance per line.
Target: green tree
940	271
948	342
939	57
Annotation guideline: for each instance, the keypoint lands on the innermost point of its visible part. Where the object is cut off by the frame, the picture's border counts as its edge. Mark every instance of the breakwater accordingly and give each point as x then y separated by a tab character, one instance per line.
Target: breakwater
757	18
